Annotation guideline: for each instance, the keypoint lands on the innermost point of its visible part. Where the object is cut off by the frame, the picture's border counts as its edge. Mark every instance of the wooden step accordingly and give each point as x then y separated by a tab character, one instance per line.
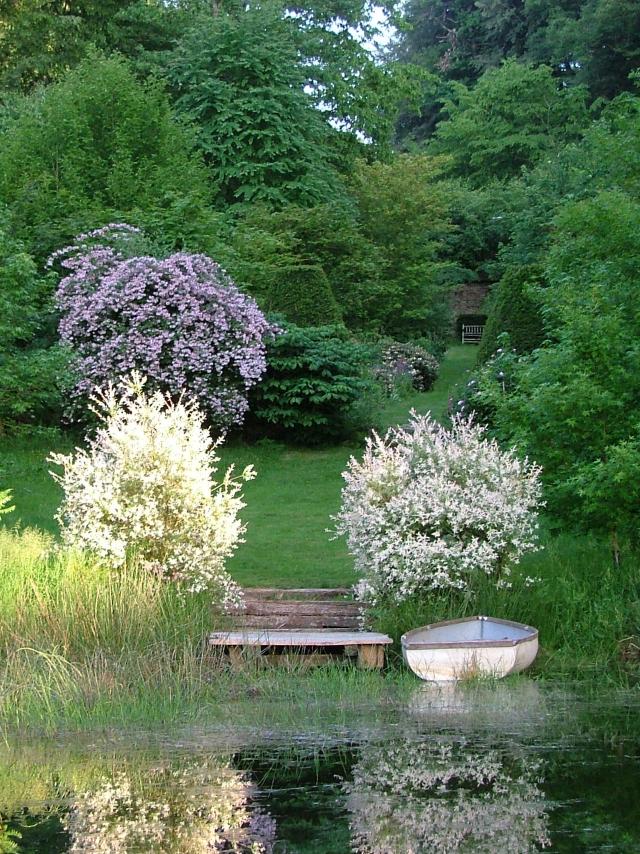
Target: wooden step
263	593
248	648
294	621
296	639
304	619
304	607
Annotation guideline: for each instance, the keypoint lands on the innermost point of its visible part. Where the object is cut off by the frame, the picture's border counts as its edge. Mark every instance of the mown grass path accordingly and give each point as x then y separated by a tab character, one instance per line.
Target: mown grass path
289	504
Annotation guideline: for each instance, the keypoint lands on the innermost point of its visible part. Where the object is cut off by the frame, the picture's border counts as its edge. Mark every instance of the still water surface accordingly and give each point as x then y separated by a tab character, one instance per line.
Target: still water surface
511	767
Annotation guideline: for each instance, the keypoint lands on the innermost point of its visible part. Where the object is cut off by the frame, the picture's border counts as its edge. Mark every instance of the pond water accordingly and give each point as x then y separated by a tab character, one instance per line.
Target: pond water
509	767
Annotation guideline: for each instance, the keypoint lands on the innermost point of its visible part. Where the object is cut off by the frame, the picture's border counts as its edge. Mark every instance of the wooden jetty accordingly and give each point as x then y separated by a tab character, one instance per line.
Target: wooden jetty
305	625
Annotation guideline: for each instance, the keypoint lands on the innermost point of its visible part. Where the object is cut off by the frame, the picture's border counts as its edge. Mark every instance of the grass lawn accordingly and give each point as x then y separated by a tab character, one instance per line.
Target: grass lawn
289	504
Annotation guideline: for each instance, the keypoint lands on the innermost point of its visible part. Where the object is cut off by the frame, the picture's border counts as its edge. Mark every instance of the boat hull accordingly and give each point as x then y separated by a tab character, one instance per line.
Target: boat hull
453	650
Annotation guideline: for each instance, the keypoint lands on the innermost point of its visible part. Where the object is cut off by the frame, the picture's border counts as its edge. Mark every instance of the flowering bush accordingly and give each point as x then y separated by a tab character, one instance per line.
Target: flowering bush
431	509
406	363
179	320
145	485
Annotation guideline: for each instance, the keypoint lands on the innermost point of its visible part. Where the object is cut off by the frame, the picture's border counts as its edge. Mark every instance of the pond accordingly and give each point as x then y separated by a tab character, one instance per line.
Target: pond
515	766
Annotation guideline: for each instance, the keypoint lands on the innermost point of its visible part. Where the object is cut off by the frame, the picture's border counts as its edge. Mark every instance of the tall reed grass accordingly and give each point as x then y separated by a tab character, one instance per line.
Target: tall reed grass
82	646
75	634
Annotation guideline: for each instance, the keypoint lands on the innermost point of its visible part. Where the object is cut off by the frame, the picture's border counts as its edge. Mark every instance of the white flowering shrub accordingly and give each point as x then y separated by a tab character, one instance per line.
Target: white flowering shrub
145	486
431	509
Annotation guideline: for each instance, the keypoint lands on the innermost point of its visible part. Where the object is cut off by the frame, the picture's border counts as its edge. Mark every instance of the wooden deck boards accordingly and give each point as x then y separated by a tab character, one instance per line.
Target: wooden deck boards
305	623
297	638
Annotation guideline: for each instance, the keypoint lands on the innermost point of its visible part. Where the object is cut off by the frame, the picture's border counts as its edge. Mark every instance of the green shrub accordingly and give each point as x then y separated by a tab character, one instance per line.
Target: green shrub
32	367
315	389
512	309
303	294
437	345
98	147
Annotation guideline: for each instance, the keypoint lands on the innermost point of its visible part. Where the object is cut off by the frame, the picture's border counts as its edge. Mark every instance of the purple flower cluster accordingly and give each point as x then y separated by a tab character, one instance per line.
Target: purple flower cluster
180	321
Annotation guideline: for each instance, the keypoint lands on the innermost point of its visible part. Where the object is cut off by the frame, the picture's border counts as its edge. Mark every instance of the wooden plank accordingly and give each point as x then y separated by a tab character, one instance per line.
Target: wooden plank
371	657
236	657
296	621
301	607
297	661
276	637
251	593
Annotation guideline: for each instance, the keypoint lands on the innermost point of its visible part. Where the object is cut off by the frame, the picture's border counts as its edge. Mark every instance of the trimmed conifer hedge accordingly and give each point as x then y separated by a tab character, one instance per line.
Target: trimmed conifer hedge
303	294
512	309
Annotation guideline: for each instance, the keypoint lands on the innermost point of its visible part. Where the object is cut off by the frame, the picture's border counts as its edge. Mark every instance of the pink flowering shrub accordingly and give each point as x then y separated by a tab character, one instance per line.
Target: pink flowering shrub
431	509
178	320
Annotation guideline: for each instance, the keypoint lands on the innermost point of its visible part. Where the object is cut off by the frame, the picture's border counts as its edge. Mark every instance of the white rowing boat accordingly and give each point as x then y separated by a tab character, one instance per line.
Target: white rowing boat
472	646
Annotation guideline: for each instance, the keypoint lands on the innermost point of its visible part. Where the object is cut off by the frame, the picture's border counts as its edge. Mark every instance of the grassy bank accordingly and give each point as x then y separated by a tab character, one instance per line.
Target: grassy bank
80	647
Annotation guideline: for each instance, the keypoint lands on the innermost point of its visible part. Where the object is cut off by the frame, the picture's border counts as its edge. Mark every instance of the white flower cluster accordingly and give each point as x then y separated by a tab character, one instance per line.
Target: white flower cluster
187	811
410	797
429	508
145	487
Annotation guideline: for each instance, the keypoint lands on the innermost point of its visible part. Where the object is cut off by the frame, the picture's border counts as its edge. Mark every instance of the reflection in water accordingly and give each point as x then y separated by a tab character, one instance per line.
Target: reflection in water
187	811
520	707
408	797
453	770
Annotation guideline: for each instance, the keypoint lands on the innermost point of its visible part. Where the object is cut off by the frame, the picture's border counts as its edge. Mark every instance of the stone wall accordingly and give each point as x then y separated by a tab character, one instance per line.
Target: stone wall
469	298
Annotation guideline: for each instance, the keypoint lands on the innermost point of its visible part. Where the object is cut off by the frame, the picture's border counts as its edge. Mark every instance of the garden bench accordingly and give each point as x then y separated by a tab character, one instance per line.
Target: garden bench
309	625
472	333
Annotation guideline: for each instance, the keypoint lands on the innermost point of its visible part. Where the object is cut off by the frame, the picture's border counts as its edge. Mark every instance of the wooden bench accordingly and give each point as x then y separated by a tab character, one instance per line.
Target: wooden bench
310	625
472	333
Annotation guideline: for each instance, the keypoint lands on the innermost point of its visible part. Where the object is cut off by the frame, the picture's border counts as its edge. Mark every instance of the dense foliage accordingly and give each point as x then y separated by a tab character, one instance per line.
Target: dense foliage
511	118
491	142
180	320
514	309
573	403
315	388
257	128
96	147
590	42
32	371
304	296
145	486
404	211
429	510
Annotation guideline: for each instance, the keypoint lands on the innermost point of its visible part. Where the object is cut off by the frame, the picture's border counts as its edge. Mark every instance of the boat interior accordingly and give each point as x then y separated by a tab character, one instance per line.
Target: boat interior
475	629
